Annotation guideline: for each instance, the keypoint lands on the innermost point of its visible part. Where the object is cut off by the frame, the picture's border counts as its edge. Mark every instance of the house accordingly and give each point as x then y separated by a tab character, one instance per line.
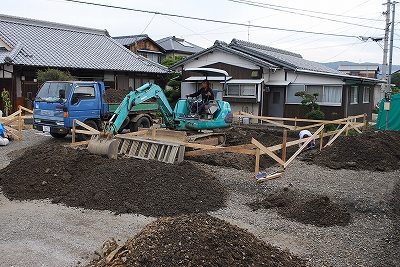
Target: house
176	46
365	70
263	81
142	45
27	46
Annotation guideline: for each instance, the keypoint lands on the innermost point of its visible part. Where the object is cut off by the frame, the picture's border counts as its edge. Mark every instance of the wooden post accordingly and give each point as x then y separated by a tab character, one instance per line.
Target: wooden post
321	137
365	122
257	168
20	124
295	123
73	130
284	145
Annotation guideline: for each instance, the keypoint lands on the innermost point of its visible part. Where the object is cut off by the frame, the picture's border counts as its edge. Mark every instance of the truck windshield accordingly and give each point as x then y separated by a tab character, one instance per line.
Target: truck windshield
53	91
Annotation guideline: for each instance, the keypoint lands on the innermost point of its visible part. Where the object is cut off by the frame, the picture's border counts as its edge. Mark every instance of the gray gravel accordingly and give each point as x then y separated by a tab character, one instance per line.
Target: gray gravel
38	233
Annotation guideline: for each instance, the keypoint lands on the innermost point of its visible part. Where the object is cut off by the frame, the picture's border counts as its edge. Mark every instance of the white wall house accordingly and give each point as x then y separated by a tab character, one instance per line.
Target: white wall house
263	80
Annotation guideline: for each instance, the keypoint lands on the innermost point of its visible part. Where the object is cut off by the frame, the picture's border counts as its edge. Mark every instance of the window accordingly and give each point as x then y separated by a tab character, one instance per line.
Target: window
141	81
354	95
82	93
245	90
327	94
366	94
151	56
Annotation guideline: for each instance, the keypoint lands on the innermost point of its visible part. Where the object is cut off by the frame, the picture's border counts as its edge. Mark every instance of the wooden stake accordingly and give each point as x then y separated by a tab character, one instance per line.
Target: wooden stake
284	145
257	168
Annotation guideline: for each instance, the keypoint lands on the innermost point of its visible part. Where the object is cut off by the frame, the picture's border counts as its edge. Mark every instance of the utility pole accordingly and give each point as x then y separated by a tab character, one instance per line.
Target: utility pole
389	89
386	41
391	48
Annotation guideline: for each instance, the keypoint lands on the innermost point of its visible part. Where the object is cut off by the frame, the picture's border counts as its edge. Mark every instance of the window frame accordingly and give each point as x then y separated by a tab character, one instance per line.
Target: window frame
366	94
353	95
242	90
324	89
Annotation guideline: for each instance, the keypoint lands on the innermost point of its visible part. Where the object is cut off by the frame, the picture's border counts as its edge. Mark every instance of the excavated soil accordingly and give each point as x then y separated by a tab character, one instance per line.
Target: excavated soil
180	195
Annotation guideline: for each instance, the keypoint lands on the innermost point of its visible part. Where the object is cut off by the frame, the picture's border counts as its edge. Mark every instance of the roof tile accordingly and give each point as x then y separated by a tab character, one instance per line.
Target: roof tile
59	45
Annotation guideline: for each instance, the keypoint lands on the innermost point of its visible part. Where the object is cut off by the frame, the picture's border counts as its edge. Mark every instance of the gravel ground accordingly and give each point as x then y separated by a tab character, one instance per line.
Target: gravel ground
38	233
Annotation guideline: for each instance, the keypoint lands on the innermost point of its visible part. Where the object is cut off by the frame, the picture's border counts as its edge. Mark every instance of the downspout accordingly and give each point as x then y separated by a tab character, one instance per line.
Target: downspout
346	100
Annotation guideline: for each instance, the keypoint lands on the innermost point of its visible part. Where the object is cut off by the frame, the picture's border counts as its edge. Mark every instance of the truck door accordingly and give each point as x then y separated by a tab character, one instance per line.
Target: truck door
85	103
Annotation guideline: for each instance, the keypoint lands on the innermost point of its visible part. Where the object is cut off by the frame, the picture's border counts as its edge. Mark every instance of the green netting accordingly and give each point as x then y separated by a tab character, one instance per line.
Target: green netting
392	116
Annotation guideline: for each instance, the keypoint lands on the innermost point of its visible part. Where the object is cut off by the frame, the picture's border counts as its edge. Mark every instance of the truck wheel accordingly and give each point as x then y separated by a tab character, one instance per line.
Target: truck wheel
58	135
124	124
87	137
142	122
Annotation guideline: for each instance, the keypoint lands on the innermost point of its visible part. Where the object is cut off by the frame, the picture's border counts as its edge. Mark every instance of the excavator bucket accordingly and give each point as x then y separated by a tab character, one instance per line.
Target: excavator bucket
107	147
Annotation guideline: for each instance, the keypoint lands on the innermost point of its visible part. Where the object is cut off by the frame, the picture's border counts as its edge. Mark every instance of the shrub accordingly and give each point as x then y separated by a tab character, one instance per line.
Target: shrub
330	127
53	75
315	115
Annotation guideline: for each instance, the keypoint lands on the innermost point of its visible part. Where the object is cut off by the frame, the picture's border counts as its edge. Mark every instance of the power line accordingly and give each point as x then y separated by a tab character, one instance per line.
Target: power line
210	20
310	11
268	6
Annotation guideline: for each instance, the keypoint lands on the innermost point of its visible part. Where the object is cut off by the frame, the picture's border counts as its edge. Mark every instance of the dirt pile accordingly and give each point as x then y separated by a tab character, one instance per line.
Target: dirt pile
194	240
242	135
372	150
77	178
115	96
316	210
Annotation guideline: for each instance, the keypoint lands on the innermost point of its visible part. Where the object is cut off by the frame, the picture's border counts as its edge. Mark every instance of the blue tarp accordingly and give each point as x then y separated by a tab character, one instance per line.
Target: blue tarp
392	116
2	129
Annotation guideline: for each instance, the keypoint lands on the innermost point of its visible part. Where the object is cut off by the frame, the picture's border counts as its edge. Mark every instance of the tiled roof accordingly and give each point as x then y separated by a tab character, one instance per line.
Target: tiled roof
222	46
131	39
175	44
265	56
47	44
280	57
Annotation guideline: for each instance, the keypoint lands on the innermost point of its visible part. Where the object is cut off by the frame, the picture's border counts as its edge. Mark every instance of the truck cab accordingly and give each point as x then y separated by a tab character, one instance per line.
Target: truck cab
58	103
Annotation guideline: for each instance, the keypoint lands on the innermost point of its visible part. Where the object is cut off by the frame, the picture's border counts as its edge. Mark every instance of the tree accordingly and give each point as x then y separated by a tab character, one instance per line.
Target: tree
309	103
395	79
172	80
169	61
53	75
309	100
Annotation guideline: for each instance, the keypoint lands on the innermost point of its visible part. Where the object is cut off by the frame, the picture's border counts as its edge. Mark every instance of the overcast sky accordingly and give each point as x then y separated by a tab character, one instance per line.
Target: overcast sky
319	30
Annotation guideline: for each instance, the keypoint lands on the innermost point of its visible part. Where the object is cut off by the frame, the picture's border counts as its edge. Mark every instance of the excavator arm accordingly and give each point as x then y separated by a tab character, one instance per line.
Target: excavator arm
136	97
106	144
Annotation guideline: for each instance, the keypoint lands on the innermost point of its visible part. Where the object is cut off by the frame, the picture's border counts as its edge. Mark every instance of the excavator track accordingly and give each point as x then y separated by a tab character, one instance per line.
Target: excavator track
212	139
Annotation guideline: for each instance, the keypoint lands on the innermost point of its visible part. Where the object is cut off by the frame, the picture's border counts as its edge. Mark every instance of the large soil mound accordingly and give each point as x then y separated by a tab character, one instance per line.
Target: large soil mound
77	178
372	150
195	240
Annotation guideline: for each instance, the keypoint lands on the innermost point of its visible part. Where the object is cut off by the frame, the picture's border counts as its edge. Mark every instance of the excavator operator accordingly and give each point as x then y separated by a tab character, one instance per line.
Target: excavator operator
206	95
